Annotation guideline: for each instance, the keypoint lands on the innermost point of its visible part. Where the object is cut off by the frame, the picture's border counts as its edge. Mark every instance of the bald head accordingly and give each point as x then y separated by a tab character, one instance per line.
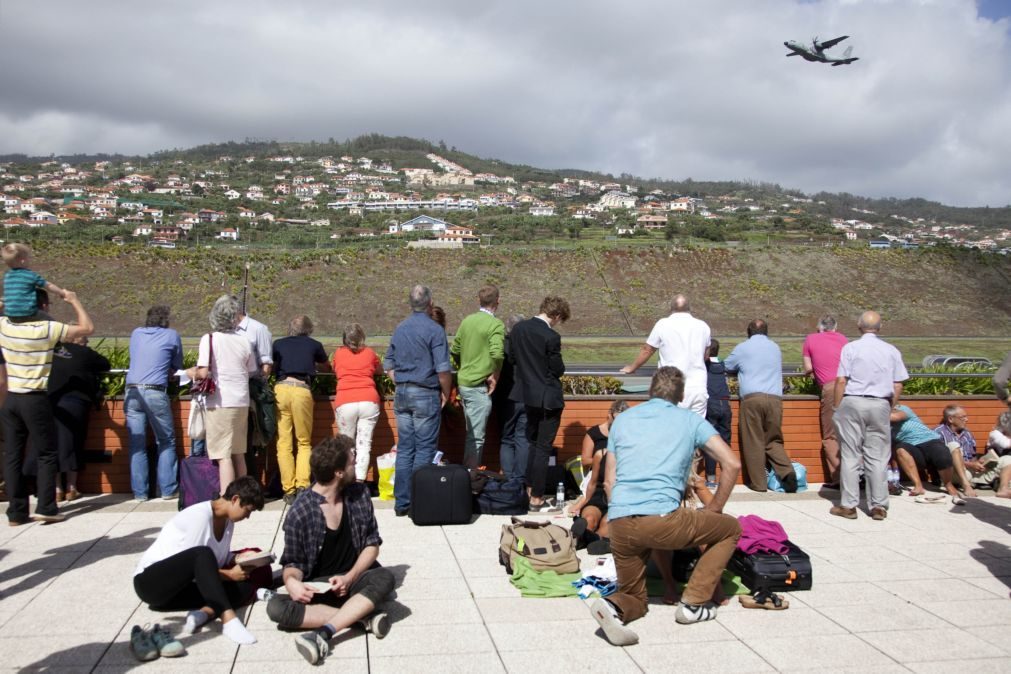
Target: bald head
679	304
870	321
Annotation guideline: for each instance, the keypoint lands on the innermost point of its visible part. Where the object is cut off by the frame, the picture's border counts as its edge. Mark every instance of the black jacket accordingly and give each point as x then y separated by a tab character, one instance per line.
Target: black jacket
535	351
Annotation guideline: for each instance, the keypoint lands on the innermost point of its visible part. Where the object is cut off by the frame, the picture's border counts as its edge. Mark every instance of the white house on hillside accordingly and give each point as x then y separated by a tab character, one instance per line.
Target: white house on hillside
422	223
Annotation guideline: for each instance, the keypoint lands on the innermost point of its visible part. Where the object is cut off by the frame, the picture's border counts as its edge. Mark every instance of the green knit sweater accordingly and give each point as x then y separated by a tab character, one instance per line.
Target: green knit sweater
477	349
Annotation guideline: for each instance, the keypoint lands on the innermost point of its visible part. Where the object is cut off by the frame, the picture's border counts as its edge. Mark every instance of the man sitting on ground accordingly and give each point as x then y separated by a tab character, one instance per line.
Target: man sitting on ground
331	543
916	446
650	451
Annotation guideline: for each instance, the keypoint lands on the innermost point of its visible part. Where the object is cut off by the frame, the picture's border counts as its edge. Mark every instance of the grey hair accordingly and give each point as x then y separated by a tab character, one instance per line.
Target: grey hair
511	322
420	298
826	323
225	314
157	316
300	326
679	304
1004	423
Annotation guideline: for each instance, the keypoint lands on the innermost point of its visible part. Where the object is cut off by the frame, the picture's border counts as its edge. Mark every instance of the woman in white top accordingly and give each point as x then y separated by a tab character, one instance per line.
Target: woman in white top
185	568
231	366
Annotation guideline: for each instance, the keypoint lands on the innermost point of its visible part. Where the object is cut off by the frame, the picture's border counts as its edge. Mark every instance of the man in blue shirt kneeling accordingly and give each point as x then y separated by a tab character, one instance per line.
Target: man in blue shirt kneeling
651	448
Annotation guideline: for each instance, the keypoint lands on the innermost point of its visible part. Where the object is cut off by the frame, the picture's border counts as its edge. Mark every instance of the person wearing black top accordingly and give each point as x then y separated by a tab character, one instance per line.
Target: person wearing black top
591	508
332	579
297	358
718	411
74	389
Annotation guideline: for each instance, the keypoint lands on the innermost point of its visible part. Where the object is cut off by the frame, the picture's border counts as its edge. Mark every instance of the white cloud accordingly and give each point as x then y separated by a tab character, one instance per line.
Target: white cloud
672	88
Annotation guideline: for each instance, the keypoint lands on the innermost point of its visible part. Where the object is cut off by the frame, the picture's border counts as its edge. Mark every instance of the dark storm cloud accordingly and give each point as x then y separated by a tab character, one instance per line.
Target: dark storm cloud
675	89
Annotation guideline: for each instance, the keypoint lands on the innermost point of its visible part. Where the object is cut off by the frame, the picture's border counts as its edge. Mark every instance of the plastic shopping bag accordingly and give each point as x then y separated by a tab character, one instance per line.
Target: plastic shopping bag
387	468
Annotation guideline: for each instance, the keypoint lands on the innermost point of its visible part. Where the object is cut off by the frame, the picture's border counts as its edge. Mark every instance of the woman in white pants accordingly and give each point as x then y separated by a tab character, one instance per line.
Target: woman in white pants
357	401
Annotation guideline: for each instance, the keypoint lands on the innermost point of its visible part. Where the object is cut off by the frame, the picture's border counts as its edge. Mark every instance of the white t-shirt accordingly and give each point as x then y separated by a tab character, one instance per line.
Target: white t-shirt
233	365
191	528
682	340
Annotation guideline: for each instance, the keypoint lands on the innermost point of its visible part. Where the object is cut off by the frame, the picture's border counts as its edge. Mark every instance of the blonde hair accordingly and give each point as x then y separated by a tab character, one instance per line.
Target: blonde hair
354	337
14	253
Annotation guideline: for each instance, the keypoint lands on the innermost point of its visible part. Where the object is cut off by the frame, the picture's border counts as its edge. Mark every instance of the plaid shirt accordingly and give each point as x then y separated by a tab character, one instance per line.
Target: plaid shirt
964	440
305	527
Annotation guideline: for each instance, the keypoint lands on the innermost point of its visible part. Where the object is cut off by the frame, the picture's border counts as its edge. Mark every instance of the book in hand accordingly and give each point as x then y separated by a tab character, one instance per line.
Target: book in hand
253	558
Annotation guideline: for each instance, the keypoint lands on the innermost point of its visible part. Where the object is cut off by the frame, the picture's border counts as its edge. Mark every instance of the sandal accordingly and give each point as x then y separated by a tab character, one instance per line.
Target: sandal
770	601
931	498
957	500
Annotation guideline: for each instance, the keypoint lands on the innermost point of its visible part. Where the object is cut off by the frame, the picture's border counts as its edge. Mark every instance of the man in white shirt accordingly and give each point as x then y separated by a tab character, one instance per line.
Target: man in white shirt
683	342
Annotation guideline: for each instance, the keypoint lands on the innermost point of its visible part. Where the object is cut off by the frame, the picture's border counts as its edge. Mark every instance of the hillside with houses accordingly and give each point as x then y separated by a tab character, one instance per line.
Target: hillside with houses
301	195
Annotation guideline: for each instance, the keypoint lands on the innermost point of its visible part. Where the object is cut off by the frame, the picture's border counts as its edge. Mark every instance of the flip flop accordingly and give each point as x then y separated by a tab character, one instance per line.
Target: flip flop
770	601
957	500
931	498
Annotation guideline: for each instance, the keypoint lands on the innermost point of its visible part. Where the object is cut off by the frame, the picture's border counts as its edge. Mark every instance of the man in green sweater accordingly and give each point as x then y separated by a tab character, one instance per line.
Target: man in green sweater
477	353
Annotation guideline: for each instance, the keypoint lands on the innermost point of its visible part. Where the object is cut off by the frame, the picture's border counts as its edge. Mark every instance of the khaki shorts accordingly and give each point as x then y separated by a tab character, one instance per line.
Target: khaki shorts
226	431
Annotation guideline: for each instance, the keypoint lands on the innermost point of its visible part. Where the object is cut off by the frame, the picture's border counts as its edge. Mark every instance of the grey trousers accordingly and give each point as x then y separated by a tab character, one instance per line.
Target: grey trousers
864	433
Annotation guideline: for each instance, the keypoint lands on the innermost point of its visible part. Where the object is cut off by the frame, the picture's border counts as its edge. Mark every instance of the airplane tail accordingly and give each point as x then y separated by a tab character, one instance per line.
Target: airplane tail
849	50
845	62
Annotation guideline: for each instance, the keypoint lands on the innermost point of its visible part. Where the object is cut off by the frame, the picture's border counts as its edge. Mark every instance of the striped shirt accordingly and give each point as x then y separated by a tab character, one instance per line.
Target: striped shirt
28	350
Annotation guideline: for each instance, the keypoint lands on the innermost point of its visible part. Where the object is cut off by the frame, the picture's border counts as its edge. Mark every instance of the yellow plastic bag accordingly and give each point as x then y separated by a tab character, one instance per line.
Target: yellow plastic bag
387	469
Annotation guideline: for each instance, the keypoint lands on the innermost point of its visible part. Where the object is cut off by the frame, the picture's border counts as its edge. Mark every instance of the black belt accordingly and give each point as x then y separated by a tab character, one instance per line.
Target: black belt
861	395
155	387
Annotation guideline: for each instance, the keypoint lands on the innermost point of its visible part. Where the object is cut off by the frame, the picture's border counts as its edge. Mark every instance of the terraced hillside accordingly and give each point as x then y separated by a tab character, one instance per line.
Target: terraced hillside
612	292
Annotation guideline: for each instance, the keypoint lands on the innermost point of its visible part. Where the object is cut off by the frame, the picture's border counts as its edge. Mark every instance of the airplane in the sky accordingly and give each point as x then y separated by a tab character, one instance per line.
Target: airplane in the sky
816	52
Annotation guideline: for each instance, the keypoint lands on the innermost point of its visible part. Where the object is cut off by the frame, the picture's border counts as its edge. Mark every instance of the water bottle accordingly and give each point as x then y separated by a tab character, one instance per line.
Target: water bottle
893	475
560	496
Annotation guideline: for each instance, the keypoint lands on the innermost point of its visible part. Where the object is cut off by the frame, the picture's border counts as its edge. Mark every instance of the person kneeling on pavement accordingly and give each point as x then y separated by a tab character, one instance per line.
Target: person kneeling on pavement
331	544
650	457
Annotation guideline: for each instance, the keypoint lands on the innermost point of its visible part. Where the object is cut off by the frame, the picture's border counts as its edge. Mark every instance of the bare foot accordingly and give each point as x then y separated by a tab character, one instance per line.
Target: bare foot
917	491
1003	493
671	597
969	492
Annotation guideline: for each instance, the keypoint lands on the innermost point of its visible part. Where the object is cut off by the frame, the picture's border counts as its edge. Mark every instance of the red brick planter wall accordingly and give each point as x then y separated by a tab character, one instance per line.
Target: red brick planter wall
110	473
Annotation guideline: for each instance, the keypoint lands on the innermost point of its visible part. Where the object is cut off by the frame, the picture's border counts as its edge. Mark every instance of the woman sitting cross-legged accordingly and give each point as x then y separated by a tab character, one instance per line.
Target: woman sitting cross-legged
189	566
590	511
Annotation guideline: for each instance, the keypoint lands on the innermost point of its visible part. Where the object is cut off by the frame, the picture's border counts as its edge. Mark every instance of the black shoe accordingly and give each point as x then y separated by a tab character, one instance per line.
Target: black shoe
789	483
601	546
578	531
400	513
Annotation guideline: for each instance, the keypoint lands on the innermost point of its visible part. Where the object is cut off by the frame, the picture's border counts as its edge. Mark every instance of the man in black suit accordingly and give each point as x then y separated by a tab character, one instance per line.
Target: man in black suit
535	350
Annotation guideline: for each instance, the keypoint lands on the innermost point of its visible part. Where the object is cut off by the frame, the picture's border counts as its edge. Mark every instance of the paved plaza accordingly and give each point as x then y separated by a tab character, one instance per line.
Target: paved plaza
926	590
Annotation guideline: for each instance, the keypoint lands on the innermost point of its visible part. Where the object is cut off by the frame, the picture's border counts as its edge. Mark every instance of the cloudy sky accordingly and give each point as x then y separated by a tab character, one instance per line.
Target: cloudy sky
668	88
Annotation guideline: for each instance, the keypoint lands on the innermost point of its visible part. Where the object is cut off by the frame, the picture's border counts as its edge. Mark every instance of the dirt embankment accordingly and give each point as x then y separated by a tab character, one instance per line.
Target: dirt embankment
919	292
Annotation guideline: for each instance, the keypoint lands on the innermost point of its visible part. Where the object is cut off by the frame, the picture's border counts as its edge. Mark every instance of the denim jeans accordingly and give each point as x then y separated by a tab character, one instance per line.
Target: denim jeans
515	448
476	409
418	412
141	407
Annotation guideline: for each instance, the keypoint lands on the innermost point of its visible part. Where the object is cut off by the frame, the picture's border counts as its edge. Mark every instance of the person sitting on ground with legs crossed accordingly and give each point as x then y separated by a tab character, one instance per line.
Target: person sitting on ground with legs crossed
331	544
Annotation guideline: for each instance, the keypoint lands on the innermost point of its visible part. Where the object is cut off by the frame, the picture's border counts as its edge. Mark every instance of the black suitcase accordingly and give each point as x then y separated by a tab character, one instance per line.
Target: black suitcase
441	495
772	572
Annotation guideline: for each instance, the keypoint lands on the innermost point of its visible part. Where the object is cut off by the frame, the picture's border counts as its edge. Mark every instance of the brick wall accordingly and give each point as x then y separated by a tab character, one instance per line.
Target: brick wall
108	470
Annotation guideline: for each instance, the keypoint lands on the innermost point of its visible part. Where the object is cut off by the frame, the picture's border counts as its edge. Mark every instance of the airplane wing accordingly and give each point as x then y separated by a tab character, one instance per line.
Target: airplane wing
828	44
845	62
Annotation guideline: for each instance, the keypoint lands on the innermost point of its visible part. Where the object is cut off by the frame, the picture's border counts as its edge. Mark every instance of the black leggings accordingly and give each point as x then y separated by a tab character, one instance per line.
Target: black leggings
189	580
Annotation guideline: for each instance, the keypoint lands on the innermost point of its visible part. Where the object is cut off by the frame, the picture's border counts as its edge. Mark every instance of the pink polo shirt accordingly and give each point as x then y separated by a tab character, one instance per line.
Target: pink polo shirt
823	348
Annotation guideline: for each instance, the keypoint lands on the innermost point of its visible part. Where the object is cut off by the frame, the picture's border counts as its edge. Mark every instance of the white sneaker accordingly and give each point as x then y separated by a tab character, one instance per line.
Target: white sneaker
688	613
607	618
312	646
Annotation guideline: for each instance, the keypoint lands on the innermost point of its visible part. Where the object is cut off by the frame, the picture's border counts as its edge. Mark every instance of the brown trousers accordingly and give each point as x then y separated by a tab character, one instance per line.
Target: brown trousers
761	429
632	539
829	442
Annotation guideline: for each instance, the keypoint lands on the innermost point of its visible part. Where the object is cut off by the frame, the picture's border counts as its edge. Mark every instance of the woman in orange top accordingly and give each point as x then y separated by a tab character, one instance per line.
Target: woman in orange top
357	401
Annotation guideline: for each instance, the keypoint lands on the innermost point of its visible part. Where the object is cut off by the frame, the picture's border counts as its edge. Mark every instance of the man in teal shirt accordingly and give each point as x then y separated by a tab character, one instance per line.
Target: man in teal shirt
477	353
650	449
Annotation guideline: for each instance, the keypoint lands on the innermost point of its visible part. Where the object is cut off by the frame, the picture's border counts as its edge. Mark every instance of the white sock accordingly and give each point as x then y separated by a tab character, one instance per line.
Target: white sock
194	621
237	632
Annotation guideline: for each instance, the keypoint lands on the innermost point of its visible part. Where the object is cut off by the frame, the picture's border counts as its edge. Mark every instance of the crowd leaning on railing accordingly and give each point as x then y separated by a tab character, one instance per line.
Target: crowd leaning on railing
655	476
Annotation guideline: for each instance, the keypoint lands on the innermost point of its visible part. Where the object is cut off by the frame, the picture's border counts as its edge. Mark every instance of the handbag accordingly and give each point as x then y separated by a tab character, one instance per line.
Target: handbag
197	428
205	386
548	547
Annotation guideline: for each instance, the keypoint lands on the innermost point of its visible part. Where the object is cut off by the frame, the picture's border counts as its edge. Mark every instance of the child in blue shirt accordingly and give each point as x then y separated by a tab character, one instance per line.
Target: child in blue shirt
20	283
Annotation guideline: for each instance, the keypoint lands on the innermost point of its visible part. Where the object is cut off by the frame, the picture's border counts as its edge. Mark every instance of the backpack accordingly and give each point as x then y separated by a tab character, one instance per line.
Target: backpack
548	547
499	496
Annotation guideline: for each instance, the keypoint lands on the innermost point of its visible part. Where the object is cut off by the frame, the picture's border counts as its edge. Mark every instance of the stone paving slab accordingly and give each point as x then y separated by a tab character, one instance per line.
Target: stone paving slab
918	592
